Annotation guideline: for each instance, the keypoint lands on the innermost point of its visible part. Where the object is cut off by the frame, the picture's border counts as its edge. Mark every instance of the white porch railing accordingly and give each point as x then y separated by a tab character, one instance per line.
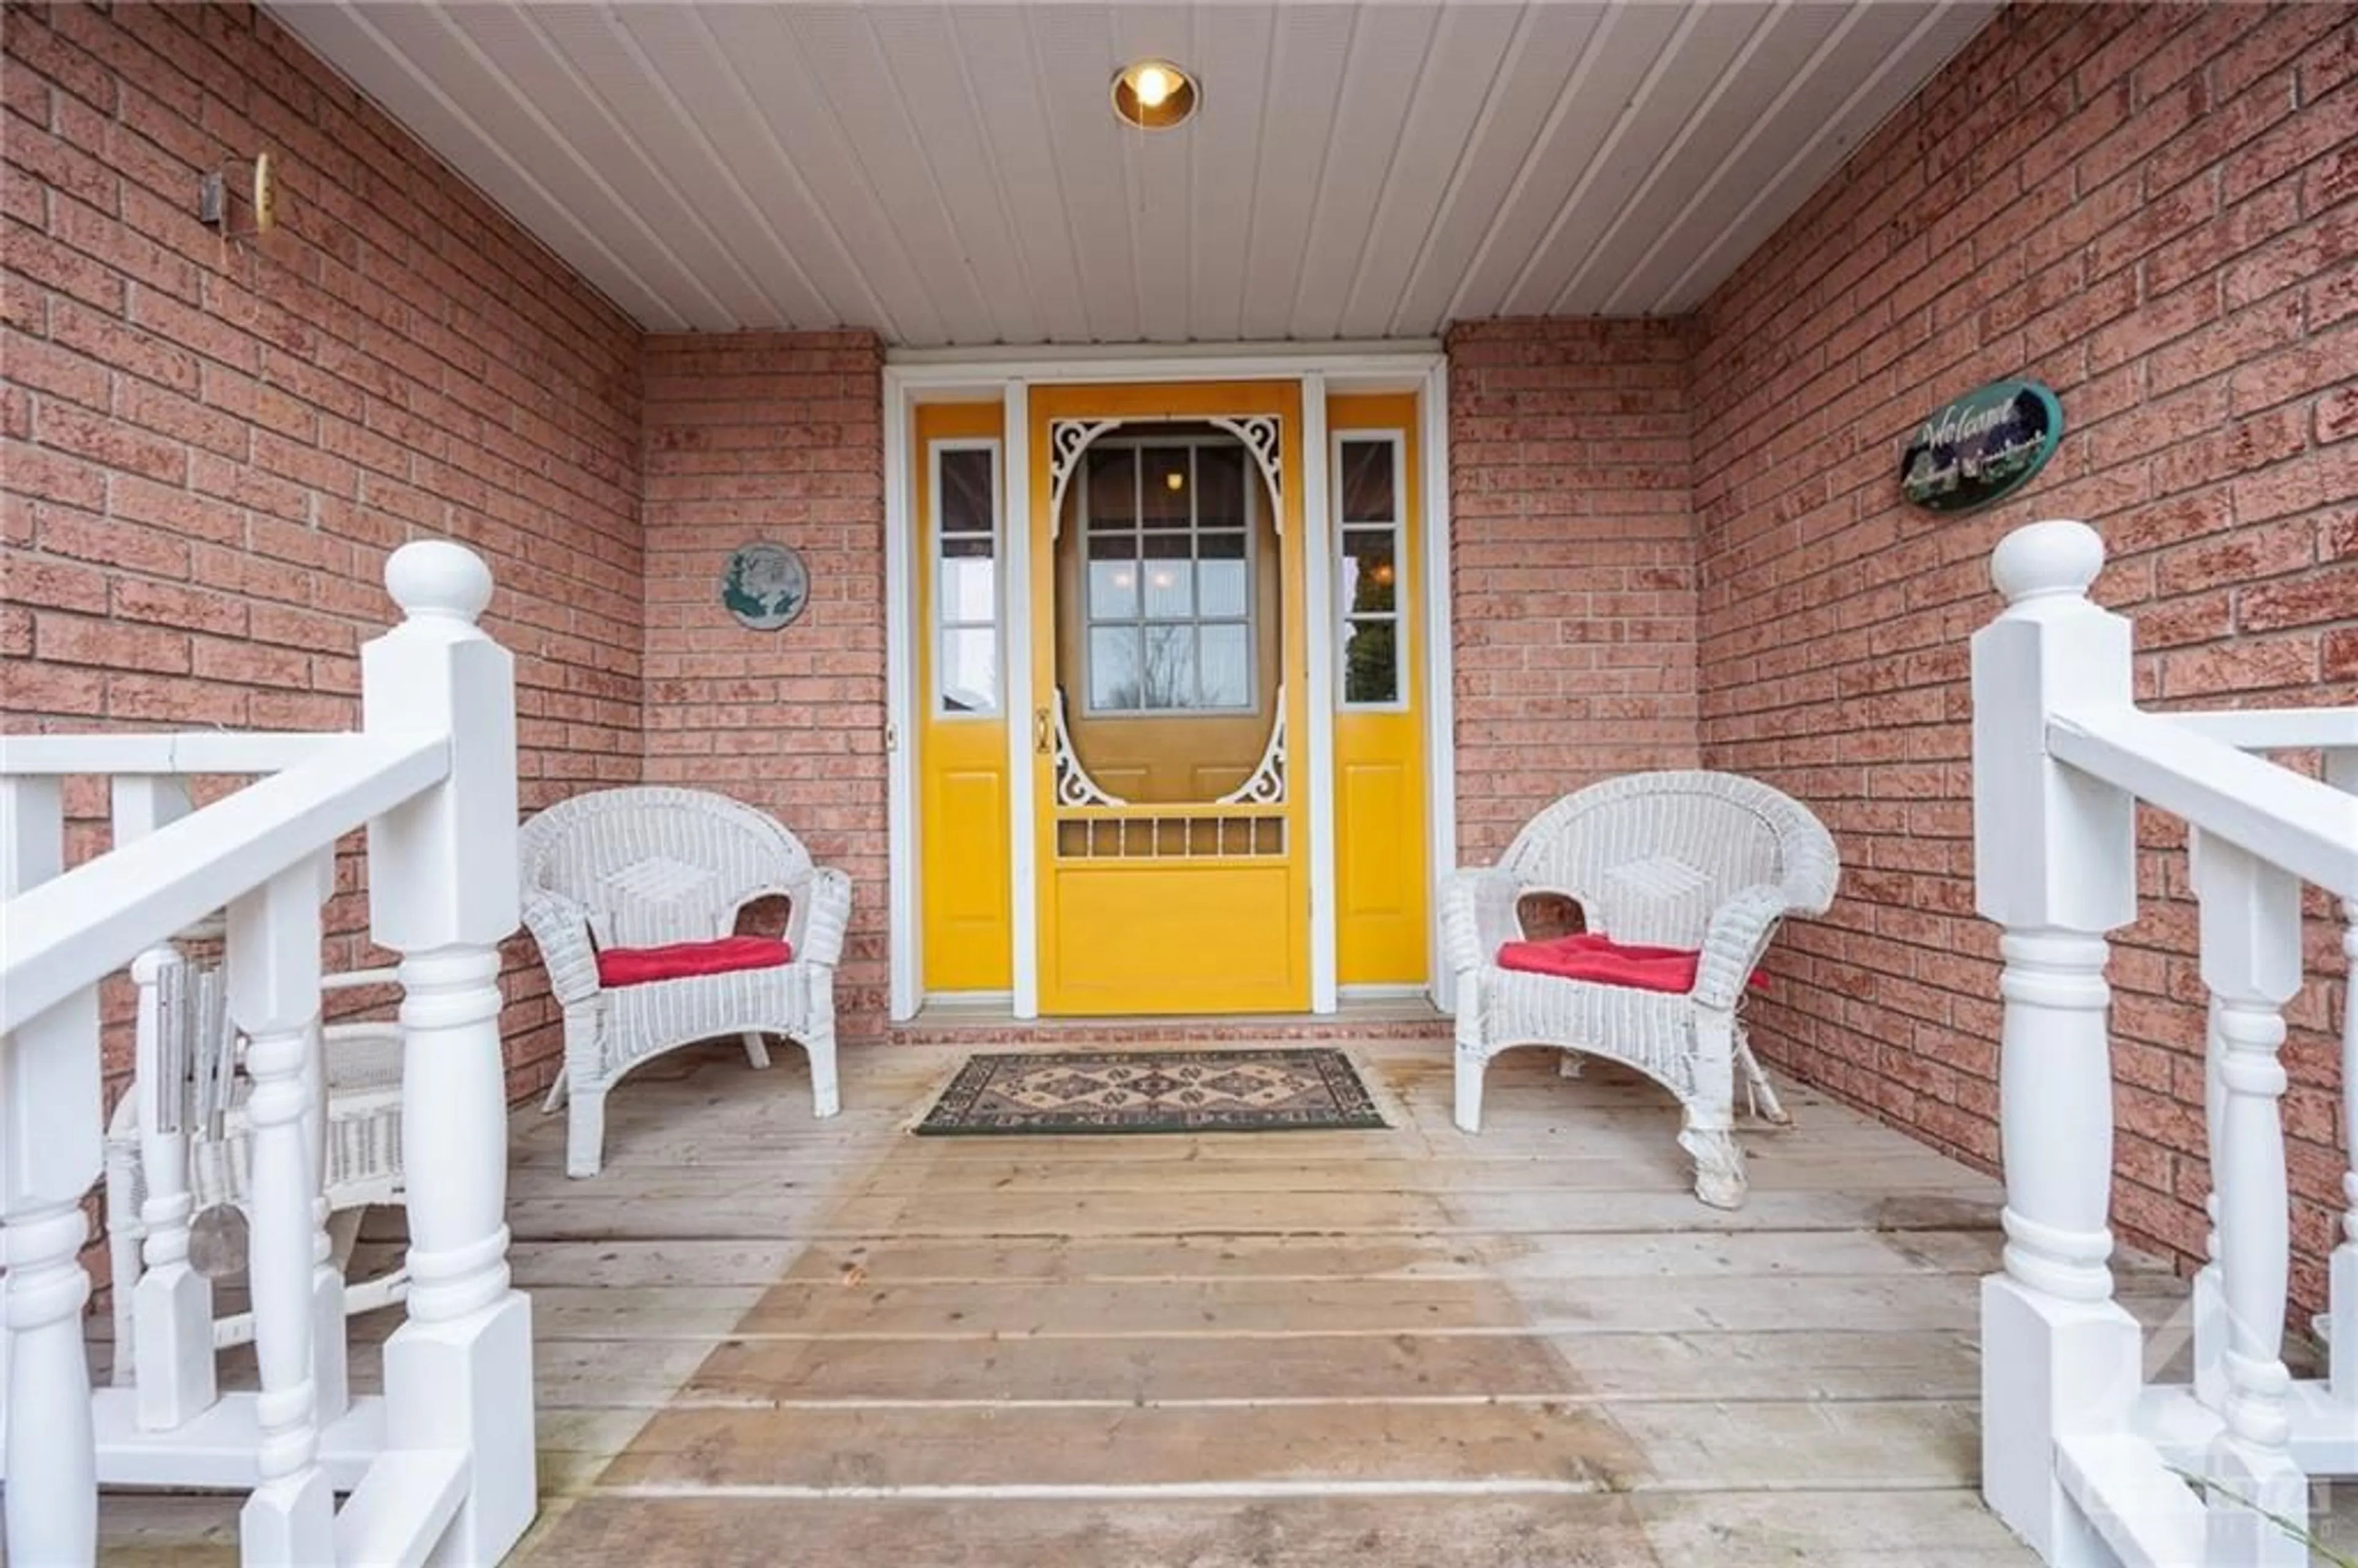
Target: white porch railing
442	1465
2090	1464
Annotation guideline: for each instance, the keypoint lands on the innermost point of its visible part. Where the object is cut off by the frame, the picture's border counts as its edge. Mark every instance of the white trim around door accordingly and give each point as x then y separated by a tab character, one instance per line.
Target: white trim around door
911	378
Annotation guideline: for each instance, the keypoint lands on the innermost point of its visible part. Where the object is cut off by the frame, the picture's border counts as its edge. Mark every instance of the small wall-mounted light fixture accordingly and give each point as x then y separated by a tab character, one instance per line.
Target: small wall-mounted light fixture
260	196
1153	94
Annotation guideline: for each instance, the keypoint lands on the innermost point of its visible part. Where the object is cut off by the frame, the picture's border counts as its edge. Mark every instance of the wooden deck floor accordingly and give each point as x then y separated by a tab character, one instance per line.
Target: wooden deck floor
765	1340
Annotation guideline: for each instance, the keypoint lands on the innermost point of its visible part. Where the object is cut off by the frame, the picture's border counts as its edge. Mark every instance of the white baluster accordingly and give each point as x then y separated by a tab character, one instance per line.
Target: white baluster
443	892
2342	1301
50	1155
170	1320
274	999
2054	864
171	1316
2250	922
2207	1303
2341	1331
330	1375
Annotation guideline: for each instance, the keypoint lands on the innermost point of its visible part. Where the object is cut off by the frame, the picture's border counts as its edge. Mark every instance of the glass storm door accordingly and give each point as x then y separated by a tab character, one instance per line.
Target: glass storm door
1168	656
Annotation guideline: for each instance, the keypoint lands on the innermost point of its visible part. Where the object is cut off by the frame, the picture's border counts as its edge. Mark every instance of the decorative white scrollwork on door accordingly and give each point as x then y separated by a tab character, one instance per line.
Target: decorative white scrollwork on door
1073	785
1067	439
1266	783
1262	435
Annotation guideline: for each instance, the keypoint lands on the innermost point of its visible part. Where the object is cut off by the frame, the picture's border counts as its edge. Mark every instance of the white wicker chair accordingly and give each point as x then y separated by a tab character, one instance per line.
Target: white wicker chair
649	866
1698	861
184	1039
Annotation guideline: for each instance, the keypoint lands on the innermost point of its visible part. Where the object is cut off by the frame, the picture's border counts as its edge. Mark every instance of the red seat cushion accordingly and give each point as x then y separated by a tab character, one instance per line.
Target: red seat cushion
1586	955
637	966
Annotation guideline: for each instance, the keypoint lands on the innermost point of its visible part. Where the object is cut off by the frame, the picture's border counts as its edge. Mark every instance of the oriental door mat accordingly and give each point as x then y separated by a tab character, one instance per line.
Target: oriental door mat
1053	1092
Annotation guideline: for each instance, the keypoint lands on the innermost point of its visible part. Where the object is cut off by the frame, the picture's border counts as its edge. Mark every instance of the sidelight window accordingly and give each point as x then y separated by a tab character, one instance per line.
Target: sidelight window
1368	485
966	579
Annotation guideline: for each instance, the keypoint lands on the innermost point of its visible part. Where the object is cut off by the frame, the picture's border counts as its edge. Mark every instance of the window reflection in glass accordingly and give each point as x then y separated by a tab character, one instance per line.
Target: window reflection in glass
970	669
1371	663
1169	583
965	580
969	589
1367	565
1368	482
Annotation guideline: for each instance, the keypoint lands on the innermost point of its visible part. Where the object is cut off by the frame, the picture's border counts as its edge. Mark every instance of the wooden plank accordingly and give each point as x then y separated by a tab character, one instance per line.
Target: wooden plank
1426	1256
1692	1446
1654	1166
1828	1529
988	1310
1066	1446
1809	1364
1548	1530
540	1264
1185	1212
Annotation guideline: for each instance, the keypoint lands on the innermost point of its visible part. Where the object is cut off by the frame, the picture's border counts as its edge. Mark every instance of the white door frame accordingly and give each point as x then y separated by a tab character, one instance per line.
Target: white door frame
912	377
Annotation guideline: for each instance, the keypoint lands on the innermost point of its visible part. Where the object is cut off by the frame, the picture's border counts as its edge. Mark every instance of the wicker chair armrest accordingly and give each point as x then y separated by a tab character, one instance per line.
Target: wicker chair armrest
1739	934
822	911
560	928
1478	916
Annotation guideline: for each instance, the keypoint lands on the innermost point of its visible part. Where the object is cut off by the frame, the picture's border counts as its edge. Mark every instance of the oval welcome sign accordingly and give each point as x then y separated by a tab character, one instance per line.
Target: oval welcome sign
1982	445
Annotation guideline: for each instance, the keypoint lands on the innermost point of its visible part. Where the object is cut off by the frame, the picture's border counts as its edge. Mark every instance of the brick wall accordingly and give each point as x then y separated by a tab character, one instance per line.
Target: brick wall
210	447
1572	563
2155	210
770	436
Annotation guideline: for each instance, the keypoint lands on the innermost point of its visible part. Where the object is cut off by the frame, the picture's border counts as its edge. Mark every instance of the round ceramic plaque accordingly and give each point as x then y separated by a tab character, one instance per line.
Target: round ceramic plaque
765	586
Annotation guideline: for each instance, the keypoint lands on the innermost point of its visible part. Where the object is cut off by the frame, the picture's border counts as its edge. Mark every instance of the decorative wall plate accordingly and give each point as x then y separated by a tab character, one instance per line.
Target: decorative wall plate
765	586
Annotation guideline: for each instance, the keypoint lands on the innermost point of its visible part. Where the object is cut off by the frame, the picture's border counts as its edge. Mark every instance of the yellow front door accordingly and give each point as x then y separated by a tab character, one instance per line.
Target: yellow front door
1168	670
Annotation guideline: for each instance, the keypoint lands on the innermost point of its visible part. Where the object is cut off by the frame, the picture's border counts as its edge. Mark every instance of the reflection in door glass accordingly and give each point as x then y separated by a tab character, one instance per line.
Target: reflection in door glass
1169	595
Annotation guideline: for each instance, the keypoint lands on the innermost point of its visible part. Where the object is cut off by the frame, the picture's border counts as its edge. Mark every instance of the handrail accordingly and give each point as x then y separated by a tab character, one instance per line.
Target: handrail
2275	729
71	930
2308	829
193	751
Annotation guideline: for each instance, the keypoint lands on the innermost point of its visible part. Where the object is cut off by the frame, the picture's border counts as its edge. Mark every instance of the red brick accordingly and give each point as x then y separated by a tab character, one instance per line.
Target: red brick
74	640
2209	447
120	109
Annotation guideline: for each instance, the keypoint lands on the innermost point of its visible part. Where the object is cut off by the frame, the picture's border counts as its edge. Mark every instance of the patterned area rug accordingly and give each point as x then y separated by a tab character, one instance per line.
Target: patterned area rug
1154	1091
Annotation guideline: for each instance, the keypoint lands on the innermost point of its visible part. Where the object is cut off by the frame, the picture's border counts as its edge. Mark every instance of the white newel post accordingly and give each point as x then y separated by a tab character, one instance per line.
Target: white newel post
2250	923
443	892
50	1156
274	1000
2054	865
2340	1330
171	1315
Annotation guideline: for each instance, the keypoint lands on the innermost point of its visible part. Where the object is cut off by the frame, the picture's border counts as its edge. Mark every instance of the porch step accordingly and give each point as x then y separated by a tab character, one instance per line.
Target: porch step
987	1026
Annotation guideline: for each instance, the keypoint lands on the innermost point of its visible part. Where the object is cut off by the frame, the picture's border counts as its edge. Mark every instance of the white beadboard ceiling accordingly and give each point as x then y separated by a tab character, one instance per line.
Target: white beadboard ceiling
952	174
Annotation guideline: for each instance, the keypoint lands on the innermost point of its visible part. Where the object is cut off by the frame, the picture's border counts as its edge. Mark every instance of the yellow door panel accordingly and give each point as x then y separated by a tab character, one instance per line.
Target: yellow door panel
1381	897
964	867
1175	938
1375	803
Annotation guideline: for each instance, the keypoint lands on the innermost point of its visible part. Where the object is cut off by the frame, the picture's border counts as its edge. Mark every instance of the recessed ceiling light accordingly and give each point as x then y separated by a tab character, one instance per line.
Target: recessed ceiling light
1153	94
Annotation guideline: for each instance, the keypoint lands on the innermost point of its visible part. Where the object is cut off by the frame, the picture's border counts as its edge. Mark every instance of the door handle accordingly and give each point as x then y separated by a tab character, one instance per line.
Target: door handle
1040	730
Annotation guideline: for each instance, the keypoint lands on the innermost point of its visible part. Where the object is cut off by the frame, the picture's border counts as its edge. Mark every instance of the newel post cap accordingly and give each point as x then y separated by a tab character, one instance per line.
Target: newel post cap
434	579
2042	558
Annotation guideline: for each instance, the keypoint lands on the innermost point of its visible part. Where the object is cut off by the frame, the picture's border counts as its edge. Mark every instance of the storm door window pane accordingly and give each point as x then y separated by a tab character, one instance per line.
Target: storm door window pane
1367	565
1168	598
965	580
